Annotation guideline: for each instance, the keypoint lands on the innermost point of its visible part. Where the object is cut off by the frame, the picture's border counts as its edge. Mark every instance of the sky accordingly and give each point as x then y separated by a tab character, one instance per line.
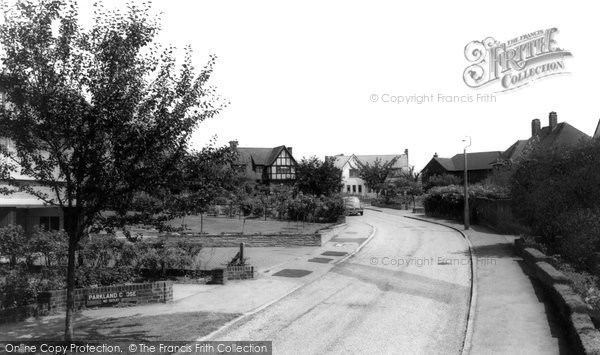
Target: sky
305	74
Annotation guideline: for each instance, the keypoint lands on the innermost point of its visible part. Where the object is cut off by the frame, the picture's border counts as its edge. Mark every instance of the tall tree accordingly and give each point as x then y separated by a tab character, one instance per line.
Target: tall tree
317	177
97	115
375	174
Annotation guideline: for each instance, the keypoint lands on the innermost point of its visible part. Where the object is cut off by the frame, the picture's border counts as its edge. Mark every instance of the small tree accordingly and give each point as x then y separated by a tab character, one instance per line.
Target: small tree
375	174
316	177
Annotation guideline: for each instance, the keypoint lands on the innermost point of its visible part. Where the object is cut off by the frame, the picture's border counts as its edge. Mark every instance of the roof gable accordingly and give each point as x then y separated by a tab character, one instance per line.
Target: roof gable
262	156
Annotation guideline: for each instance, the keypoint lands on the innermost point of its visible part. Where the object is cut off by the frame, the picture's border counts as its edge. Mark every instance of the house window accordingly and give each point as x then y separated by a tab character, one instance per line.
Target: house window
50	223
283	169
348	188
360	189
353	172
354	188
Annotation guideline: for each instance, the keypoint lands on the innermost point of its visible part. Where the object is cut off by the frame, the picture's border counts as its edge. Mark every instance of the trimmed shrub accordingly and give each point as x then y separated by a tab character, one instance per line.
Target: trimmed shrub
448	201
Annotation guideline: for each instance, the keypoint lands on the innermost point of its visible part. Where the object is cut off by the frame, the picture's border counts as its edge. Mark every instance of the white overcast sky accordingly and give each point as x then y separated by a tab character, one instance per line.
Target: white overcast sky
301	74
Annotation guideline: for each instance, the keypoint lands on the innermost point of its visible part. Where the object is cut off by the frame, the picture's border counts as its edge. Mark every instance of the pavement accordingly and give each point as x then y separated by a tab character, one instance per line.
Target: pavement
510	313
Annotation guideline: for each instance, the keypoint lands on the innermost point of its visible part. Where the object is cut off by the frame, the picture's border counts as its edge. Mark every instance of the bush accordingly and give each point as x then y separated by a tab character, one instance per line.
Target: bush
448	201
441	180
17	289
552	182
52	247
581	231
13	243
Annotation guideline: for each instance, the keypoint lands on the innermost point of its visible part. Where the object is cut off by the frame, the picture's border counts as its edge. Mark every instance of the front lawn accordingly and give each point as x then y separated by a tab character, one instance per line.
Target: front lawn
218	225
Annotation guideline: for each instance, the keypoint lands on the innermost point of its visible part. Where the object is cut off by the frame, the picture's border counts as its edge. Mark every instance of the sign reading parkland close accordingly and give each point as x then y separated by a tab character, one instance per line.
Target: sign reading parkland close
514	63
108	298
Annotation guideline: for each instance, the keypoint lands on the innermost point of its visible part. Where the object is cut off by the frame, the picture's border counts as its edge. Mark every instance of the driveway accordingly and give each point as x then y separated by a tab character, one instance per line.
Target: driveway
406	291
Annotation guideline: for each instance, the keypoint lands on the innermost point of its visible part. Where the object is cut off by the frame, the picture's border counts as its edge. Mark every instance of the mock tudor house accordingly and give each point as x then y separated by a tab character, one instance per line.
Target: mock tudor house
25	209
349	164
267	165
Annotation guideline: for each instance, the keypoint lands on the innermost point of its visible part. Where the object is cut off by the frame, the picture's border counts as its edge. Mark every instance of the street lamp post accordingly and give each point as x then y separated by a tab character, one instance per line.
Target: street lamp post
466	204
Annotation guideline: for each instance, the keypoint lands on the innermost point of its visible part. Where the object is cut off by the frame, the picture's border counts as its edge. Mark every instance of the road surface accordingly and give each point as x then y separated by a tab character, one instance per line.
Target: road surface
406	291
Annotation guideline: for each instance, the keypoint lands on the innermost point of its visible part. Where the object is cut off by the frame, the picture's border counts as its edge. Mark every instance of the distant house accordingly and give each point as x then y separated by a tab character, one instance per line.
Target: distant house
268	165
349	164
24	209
479	166
553	135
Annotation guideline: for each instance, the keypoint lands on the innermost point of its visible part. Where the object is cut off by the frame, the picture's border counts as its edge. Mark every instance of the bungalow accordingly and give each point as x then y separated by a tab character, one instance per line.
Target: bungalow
267	165
349	164
479	166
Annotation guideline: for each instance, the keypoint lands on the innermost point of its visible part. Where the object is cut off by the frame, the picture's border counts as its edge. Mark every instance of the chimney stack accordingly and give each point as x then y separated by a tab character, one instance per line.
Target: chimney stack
435	155
233	144
290	150
536	126
552	120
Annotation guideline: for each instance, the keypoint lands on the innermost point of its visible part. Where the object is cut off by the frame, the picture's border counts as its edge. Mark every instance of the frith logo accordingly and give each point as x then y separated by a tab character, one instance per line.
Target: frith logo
514	63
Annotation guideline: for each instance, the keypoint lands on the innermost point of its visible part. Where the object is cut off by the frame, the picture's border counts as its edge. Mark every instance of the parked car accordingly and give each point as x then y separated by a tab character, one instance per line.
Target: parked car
353	206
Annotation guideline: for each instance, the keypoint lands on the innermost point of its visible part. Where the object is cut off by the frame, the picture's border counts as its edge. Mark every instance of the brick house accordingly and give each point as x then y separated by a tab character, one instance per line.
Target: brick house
479	166
553	135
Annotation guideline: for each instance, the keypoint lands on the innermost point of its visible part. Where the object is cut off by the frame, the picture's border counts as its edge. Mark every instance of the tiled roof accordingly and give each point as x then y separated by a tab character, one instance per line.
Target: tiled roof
514	150
475	160
446	163
260	156
562	134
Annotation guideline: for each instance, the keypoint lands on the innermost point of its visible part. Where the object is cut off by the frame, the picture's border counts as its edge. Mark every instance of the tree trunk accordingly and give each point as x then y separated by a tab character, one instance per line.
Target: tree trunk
74	229
70	288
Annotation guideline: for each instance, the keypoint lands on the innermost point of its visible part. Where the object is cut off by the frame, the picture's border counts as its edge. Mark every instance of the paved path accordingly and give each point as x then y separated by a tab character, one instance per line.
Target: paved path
402	293
510	314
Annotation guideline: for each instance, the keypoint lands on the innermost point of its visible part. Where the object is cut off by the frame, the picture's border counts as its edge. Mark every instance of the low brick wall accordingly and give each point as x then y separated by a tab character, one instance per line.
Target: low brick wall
221	276
256	241
55	301
571	307
240	272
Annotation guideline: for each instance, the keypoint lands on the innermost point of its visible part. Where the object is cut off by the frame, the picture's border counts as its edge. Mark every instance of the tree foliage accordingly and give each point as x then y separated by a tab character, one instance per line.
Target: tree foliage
98	116
316	177
375	174
551	182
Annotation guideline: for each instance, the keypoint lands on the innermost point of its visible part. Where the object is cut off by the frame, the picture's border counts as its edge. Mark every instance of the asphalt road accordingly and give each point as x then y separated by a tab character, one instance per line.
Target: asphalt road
406	291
